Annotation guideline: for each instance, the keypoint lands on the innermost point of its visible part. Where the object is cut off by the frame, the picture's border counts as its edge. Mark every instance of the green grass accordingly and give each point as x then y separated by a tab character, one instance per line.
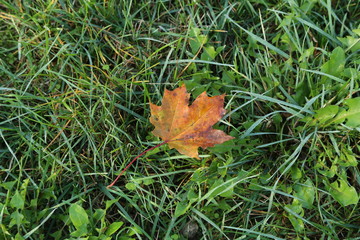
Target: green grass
76	78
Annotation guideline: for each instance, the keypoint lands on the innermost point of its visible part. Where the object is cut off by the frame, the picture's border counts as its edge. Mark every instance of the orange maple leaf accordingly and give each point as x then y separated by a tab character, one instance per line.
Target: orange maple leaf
184	127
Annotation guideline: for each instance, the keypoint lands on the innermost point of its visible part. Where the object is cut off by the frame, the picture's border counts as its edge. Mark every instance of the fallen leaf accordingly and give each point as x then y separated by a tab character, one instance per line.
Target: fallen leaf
184	127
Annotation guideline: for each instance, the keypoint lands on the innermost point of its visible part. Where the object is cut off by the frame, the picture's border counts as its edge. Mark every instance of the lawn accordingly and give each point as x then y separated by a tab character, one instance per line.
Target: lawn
76	80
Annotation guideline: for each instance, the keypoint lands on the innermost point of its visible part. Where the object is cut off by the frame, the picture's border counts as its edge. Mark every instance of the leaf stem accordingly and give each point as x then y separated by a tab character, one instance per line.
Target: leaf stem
132	161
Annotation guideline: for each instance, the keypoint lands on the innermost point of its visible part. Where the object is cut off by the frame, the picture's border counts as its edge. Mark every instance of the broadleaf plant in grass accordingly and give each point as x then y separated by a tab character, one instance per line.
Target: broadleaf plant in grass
184	127
351	42
203	52
343	192
348	114
84	224
335	160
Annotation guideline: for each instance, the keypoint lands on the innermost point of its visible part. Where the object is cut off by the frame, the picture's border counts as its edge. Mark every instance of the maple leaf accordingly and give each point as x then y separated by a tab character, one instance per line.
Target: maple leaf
184	127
